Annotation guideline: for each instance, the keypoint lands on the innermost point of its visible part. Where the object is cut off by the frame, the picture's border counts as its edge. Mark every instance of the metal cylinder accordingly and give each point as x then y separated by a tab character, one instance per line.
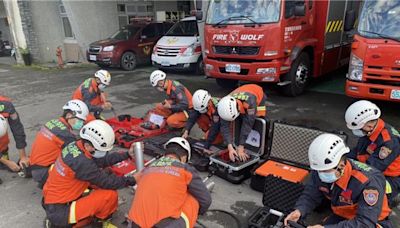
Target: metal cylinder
139	160
210	186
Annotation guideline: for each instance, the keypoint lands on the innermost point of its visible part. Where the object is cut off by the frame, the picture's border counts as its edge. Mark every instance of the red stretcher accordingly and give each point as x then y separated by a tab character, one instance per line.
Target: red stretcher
130	129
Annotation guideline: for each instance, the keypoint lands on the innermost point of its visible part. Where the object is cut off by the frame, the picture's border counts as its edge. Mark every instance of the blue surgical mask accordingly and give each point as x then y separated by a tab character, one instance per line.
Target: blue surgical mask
99	154
327	177
102	87
358	133
78	124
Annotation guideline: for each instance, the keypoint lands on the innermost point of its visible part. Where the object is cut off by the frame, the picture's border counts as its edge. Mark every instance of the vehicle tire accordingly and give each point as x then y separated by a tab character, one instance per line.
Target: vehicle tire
226	83
298	75
199	67
128	61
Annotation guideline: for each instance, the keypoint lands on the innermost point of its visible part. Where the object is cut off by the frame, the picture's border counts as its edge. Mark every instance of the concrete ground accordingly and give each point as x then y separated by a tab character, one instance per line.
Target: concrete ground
39	95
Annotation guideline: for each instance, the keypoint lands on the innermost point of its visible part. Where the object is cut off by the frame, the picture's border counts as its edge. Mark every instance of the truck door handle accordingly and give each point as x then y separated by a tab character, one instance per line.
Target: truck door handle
303	23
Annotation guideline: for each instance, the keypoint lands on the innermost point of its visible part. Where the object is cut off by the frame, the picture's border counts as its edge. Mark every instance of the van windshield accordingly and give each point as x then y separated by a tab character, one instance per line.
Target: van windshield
243	11
184	28
125	33
380	18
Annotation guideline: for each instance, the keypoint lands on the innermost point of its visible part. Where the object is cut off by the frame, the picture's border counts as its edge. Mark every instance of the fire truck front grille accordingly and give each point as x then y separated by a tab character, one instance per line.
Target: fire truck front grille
94	49
382	75
239	50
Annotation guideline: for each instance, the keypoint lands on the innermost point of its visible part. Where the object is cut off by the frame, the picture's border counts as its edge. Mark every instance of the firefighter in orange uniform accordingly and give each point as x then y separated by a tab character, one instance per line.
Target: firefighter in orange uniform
356	190
205	113
10	119
378	144
170	193
248	101
91	91
79	167
53	136
178	103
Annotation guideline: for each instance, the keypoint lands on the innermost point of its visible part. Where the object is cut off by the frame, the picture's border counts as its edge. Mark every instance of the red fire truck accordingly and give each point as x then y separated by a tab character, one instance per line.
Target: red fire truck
283	42
374	69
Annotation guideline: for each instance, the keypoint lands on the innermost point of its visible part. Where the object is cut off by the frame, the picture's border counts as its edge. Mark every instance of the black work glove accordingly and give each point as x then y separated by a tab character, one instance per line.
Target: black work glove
130	181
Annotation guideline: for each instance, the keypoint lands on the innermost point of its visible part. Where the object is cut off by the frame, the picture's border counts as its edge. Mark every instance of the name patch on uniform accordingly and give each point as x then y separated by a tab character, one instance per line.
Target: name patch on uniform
371	148
371	196
251	111
384	152
345	196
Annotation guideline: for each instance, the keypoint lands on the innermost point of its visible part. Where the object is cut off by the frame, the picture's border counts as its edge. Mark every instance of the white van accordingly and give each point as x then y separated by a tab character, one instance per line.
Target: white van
179	48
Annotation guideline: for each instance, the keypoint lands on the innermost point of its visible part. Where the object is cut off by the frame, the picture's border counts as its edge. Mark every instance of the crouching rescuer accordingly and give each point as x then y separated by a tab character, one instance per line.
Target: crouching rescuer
170	193
179	99
356	190
77	189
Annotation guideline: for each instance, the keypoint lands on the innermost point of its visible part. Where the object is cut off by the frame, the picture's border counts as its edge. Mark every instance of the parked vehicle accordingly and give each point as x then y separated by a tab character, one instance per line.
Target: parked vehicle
374	70
5	48
180	48
129	46
283	42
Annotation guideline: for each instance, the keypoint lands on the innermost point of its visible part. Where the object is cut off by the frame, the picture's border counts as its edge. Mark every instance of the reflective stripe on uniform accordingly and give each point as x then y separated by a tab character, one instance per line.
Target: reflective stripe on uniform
261	108
72	213
51	167
186	219
186	114
388	188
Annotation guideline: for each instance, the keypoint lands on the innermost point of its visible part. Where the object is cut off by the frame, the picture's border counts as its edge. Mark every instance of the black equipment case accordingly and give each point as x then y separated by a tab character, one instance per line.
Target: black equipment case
236	172
288	154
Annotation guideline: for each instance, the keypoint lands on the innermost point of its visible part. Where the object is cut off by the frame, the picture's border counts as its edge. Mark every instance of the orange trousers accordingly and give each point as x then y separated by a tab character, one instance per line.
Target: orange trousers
190	209
175	120
205	124
100	203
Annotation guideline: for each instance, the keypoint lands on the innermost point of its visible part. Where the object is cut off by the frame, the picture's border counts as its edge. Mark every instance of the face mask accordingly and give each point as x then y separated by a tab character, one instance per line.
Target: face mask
358	133
78	124
327	177
102	87
99	154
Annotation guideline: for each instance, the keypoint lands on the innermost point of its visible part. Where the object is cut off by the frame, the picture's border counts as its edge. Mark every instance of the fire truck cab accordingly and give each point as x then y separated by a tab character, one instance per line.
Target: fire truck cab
374	69
283	42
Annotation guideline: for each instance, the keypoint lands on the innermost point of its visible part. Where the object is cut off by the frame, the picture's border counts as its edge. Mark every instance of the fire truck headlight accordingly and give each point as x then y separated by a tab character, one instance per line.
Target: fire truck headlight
271	70
355	68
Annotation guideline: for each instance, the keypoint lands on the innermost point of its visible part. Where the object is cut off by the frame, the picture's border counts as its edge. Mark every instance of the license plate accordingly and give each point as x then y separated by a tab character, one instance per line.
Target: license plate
395	94
165	63
232	68
92	57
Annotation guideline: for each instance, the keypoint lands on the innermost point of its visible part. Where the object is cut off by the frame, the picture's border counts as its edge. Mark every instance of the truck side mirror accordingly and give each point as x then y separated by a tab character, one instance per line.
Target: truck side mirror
300	9
198	14
349	20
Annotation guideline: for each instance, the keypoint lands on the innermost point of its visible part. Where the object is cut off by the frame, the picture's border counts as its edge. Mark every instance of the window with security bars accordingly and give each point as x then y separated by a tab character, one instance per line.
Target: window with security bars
68	33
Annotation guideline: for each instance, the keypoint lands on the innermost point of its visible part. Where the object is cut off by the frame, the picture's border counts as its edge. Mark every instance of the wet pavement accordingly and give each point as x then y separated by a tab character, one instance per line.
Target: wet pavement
40	94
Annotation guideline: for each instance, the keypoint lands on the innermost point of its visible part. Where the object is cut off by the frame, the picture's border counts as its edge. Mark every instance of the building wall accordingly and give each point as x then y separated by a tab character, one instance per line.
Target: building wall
91	21
165	6
4	28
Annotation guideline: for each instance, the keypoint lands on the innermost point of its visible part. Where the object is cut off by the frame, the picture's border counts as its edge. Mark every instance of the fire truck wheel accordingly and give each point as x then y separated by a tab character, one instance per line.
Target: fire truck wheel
298	75
128	61
199	67
226	83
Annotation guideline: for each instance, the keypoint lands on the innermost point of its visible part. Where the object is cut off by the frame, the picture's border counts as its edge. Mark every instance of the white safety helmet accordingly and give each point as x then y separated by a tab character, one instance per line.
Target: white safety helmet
360	112
100	134
3	125
78	108
326	151
200	100
227	108
157	76
104	77
182	143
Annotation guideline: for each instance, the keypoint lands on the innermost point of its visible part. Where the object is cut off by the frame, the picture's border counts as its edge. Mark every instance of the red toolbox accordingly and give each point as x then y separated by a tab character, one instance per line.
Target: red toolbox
236	172
130	129
288	154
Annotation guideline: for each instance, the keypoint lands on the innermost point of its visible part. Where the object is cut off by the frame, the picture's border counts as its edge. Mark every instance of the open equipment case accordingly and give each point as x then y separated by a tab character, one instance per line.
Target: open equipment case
236	172
288	154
